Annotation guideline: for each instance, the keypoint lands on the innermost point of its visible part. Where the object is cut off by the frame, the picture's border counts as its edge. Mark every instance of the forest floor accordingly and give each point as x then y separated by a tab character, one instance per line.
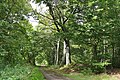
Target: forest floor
50	75
115	73
53	74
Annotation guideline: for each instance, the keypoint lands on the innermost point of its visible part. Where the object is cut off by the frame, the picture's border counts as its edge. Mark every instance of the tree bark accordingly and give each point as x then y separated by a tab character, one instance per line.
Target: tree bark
66	52
66	49
113	55
57	52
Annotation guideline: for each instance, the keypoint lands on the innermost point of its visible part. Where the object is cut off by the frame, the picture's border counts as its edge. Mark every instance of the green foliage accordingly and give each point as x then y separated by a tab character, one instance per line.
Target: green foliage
86	71
21	72
14	31
99	67
90	27
35	75
13	49
17	72
37	1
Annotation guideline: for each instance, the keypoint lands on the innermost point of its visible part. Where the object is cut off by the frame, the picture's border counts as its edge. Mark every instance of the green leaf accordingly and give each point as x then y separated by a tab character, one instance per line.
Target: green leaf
38	1
95	17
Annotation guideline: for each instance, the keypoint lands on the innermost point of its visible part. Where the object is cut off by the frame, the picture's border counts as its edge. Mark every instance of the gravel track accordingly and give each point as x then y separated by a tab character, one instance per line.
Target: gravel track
49	75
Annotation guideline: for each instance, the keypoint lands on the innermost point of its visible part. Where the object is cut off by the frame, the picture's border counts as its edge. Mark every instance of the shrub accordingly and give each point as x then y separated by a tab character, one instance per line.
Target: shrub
20	72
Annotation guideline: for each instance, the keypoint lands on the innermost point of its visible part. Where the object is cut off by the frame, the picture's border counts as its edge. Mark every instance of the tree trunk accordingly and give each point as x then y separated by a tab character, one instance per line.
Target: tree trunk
104	50
57	52
66	52
113	55
56	59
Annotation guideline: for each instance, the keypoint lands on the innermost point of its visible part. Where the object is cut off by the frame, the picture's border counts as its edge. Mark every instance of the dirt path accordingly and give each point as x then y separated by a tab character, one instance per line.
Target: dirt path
49	75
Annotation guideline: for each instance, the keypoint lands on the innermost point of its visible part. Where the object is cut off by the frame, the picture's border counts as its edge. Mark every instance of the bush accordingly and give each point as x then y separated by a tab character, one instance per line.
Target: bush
86	71
14	73
35	75
20	72
99	67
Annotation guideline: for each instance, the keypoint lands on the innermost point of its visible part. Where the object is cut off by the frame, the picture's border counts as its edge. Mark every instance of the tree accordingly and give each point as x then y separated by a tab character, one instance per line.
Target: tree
14	27
59	19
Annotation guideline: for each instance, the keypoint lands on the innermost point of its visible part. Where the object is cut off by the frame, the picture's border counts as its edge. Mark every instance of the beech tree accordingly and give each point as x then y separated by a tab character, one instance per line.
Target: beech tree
59	18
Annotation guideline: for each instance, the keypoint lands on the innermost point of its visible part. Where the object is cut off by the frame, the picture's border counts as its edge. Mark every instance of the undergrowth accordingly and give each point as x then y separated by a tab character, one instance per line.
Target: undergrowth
20	72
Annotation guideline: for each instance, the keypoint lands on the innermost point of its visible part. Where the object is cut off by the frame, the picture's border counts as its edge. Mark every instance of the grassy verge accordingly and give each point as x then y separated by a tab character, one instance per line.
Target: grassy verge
35	75
84	75
21	72
80	76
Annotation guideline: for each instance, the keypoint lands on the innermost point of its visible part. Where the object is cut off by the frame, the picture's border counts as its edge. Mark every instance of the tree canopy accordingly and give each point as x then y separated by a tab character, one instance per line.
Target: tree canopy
83	32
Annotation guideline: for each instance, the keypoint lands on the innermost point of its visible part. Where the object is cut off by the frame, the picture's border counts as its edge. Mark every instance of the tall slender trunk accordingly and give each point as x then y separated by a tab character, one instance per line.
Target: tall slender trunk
104	50
113	55
57	51
104	47
66	52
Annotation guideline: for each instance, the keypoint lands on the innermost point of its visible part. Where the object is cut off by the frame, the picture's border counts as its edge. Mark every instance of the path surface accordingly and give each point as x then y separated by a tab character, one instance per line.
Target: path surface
49	75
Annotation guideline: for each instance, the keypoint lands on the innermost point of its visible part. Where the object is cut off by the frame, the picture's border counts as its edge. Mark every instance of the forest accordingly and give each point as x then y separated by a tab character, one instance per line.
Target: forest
78	39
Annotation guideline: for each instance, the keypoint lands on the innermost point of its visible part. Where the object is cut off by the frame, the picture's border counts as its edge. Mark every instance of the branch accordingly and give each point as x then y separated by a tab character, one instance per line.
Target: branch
42	23
62	16
45	16
71	13
59	15
65	20
52	14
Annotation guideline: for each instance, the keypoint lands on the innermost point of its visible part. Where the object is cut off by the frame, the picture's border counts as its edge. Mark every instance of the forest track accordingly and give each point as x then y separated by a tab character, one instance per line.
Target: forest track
50	75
